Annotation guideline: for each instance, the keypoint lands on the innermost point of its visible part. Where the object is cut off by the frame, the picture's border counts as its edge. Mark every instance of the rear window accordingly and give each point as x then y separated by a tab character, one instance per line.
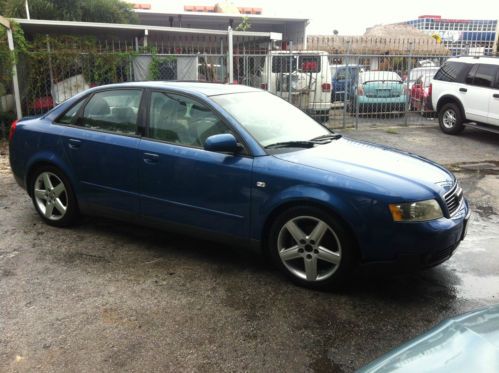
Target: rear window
342	74
453	72
375	76
283	64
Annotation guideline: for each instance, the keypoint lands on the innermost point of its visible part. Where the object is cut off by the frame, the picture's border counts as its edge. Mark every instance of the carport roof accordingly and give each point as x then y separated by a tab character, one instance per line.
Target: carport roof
36	26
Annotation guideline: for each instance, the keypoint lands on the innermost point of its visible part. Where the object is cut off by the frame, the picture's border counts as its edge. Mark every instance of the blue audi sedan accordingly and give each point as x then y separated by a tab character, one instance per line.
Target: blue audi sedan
239	165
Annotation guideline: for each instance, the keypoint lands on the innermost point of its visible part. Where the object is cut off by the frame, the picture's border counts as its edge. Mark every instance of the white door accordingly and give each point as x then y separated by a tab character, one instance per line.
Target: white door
478	92
494	102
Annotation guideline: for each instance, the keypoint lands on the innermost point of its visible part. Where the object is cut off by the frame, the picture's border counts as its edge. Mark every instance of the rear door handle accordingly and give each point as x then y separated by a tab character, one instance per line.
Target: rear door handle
463	90
495	95
74	143
151	158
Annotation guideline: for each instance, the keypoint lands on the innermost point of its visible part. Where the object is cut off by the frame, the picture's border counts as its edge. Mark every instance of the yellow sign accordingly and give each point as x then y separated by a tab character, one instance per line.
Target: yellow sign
437	37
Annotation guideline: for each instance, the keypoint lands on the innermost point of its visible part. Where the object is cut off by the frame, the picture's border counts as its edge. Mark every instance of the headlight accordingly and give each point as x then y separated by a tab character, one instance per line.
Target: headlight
416	211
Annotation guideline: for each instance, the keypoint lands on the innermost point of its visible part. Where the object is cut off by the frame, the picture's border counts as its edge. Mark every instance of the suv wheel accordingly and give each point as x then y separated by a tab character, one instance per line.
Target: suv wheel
450	119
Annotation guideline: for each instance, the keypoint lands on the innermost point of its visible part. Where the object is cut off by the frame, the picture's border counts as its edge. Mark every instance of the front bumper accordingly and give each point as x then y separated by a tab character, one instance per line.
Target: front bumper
422	245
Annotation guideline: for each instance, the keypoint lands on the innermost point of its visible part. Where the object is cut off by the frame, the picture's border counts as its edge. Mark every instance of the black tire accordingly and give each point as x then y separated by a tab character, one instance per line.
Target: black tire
336	240
447	125
42	196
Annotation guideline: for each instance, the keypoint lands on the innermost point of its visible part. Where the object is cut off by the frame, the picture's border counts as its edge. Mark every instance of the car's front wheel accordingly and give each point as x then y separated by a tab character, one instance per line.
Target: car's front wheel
53	197
450	119
312	247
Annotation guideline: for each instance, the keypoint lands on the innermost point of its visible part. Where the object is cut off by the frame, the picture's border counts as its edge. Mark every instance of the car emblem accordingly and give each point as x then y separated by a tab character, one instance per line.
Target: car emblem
261	184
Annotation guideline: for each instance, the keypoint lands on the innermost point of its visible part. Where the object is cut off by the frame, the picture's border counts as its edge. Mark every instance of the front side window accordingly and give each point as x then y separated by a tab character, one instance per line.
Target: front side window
485	76
179	119
113	111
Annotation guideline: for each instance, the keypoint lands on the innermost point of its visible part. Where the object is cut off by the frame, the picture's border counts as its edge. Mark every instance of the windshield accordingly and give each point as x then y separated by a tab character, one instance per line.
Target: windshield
270	119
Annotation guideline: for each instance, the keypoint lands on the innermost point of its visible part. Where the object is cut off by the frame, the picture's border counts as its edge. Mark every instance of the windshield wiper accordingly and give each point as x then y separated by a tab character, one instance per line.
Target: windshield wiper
291	144
326	138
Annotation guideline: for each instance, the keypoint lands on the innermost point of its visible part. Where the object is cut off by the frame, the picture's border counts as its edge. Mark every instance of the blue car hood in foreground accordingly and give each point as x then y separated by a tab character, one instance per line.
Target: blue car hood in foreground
385	167
468	343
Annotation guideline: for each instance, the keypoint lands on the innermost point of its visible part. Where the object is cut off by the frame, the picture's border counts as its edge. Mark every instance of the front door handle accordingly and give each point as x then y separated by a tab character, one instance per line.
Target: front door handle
495	95
151	158
74	143
463	90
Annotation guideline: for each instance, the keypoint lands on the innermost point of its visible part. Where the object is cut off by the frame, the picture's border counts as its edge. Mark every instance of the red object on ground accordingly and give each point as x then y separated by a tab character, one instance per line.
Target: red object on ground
42	103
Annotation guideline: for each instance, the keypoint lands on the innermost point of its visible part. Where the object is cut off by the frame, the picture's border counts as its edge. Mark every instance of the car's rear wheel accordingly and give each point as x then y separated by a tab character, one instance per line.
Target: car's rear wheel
53	197
312	247
450	119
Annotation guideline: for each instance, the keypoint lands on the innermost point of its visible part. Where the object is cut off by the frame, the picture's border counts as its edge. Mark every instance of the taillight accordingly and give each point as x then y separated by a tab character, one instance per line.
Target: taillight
12	130
264	86
360	90
326	87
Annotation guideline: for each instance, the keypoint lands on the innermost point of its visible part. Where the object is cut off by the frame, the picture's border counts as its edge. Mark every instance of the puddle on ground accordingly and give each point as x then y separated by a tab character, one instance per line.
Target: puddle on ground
475	262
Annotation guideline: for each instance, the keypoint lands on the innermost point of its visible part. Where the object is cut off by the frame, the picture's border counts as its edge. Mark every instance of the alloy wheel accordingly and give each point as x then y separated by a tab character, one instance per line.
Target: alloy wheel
309	248
449	119
51	196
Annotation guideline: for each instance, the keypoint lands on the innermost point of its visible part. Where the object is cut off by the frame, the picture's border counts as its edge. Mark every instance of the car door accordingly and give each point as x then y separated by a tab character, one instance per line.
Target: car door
182	183
494	102
102	148
477	92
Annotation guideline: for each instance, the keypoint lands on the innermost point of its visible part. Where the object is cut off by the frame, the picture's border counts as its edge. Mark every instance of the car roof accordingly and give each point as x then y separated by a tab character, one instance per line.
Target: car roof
484	60
206	89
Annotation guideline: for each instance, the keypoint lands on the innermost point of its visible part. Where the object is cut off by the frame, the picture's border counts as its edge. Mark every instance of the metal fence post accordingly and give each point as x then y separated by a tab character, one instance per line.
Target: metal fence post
346	85
15	79
290	69
408	81
230	57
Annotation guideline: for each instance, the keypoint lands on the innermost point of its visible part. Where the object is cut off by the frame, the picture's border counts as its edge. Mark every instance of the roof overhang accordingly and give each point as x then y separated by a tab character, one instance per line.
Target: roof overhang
36	26
147	15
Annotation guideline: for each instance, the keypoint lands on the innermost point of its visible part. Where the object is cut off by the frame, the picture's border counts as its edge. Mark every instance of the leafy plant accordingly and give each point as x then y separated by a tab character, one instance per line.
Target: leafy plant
155	68
245	25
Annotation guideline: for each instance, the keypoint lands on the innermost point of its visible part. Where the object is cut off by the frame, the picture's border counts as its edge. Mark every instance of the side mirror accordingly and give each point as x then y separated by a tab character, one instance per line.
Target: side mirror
222	143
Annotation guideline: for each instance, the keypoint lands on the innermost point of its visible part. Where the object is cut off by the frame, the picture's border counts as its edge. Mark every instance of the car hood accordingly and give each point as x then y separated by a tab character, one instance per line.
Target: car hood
387	168
468	343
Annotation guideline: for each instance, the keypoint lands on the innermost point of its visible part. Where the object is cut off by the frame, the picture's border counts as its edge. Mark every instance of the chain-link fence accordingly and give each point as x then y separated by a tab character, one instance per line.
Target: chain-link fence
347	84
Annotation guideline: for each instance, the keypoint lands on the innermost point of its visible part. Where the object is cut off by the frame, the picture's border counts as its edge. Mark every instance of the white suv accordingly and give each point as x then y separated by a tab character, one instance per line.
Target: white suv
465	91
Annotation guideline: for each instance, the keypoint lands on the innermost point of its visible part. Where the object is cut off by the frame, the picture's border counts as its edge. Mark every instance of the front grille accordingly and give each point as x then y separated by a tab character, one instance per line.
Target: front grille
438	256
453	198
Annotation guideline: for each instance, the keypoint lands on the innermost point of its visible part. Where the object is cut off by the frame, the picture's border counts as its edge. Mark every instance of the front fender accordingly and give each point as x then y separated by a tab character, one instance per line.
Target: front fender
347	209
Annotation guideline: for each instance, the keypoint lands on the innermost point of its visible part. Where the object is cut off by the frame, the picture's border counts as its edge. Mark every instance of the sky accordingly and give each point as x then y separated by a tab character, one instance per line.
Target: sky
352	17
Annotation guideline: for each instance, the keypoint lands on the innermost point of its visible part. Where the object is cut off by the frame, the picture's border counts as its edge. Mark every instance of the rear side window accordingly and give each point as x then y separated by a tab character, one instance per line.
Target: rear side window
285	64
113	111
485	76
453	72
70	116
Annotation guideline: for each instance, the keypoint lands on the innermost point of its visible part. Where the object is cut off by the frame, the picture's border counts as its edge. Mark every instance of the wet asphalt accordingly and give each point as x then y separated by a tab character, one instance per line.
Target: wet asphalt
107	296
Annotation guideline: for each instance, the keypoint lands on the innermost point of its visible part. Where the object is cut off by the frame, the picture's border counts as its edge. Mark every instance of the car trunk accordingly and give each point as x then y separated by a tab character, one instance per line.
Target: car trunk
383	89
